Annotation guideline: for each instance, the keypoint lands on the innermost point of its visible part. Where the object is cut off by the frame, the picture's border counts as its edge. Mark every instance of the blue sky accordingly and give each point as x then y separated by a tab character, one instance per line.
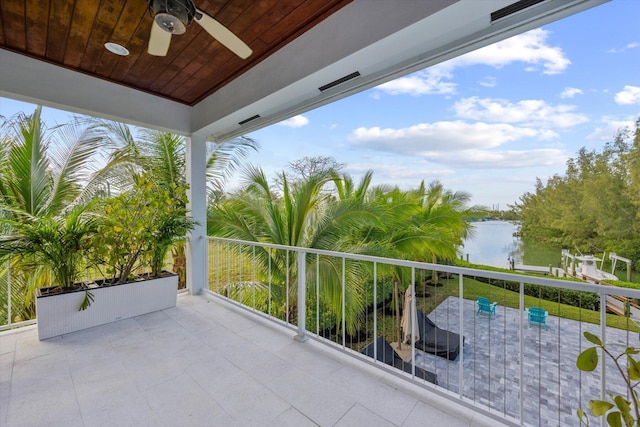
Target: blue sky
488	123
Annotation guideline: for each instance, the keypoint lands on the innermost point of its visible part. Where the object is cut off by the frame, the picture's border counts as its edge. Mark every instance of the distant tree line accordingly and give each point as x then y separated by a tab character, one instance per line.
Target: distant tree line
595	205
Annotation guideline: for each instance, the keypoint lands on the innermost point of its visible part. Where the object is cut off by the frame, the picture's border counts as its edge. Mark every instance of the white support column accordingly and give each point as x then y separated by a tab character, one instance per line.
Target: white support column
197	193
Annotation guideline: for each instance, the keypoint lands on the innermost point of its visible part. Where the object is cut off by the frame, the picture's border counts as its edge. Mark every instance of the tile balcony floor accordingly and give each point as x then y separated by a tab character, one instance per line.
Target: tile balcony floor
203	363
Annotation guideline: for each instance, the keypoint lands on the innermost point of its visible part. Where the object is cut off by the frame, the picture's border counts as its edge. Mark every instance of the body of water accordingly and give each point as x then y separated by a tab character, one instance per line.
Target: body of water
493	243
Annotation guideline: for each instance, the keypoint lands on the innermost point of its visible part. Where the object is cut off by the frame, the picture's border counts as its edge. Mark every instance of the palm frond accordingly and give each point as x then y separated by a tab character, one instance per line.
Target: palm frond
224	158
29	181
74	148
165	154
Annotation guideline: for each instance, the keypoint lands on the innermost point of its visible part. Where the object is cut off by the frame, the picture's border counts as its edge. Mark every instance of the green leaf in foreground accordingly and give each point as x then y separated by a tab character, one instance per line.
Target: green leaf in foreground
614	419
593	339
633	369
86	302
588	360
599	407
582	416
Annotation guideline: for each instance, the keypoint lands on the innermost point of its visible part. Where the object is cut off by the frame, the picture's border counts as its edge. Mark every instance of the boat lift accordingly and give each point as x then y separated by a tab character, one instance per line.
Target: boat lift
615	258
622	306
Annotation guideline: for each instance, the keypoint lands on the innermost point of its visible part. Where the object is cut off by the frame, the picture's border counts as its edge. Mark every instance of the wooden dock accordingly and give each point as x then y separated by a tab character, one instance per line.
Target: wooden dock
620	306
553	271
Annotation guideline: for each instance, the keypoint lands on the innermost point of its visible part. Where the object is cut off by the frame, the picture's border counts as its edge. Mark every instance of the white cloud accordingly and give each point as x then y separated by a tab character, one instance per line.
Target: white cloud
570	92
426	138
295	122
412	172
429	81
530	48
489	81
629	95
531	112
609	129
631	45
508	159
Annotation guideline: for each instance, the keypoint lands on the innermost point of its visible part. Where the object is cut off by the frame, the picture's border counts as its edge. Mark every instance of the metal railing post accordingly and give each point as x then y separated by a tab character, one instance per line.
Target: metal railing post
461	343
521	350
317	295
344	286
286	315
603	337
8	292
375	311
302	297
414	316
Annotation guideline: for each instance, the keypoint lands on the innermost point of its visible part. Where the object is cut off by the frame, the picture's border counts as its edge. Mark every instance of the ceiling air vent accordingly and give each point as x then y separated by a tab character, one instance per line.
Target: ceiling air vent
513	8
339	81
257	116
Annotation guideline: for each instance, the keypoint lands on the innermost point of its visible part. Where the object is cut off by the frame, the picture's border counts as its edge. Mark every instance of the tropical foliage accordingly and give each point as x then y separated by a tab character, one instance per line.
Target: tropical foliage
58	243
138	227
621	410
595	205
49	183
164	155
423	224
43	176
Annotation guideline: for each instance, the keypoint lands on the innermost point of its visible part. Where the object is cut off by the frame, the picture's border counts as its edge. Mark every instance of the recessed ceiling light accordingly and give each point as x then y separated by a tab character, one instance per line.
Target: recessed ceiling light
116	48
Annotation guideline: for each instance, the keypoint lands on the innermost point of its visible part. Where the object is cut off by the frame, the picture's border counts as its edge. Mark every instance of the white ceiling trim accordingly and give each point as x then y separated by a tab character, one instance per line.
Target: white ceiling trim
30	80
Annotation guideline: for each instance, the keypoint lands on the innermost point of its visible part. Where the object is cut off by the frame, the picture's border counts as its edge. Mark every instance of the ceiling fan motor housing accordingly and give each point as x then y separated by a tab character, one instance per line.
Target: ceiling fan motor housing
173	16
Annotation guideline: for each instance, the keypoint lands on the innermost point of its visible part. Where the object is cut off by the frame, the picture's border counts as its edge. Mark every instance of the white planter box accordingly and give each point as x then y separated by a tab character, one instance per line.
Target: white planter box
60	314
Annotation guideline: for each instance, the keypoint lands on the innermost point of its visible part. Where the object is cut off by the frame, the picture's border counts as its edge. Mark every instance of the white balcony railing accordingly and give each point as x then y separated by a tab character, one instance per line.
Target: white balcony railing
519	373
7	290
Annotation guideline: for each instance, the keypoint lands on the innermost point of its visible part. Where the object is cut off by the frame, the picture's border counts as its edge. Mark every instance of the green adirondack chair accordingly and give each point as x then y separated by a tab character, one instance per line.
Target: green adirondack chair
484	306
537	316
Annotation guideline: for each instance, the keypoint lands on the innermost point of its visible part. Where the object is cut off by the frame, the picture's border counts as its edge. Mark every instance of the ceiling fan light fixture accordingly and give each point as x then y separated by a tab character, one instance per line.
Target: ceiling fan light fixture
173	16
169	23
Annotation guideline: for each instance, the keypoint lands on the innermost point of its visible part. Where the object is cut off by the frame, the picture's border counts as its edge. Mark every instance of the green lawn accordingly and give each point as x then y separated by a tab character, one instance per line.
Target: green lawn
473	289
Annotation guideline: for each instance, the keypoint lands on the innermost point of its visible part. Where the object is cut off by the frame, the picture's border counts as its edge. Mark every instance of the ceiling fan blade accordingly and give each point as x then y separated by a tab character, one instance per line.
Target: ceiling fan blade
159	40
223	35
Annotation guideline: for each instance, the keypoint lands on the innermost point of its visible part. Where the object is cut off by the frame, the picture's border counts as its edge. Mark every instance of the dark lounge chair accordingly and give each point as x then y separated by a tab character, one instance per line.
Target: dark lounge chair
435	340
386	354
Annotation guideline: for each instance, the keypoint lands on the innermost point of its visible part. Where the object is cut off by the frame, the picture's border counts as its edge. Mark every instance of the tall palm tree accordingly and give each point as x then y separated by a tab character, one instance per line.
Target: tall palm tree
384	221
44	174
42	171
163	156
425	224
415	224
303	215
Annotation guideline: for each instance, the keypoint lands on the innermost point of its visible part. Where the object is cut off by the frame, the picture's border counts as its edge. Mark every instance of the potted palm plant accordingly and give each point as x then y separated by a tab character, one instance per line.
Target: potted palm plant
136	230
171	225
130	233
59	244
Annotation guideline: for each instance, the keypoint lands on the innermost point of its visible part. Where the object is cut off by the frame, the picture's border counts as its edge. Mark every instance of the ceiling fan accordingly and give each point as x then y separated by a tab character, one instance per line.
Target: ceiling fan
174	16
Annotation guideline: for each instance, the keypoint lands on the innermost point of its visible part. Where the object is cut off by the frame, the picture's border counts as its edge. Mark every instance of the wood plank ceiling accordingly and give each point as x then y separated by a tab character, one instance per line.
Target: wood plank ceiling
72	34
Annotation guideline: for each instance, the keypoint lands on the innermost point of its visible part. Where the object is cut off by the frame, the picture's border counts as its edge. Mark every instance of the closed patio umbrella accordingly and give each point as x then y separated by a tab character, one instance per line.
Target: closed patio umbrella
409	319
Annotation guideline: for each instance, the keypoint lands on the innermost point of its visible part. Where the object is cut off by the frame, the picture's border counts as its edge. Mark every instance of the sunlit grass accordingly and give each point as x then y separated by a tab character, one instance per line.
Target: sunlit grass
473	289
